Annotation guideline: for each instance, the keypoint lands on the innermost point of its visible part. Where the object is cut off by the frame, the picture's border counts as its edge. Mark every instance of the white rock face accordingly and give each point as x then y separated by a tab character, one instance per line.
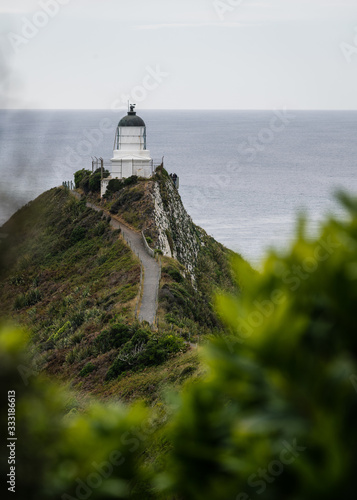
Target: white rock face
162	223
178	236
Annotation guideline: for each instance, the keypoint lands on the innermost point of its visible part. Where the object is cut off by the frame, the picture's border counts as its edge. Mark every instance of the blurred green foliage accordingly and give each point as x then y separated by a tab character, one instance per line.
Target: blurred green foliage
274	417
284	379
62	452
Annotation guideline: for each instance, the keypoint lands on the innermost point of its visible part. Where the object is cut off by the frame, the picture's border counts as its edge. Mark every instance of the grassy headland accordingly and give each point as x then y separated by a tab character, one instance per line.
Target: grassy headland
73	282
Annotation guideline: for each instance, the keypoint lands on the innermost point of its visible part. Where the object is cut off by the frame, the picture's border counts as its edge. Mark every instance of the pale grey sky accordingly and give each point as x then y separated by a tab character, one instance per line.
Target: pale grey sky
179	54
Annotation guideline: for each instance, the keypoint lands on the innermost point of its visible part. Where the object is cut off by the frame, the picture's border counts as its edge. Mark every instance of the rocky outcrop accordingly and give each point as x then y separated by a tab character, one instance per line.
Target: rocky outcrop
177	236
162	224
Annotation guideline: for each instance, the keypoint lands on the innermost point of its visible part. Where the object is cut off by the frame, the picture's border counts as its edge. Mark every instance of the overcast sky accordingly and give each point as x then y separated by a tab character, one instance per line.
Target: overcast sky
179	54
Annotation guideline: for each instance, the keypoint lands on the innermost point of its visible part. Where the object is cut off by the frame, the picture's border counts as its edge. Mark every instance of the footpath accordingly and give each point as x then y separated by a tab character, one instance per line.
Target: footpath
151	269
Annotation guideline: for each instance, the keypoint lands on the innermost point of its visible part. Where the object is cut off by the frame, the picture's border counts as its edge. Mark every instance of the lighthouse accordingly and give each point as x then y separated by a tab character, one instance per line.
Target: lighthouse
130	156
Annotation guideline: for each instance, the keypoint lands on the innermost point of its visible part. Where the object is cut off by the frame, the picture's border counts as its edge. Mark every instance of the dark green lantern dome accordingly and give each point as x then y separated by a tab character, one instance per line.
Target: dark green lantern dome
131	120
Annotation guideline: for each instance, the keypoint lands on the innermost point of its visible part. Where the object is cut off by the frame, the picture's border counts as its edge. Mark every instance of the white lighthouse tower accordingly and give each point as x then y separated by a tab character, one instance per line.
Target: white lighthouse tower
130	156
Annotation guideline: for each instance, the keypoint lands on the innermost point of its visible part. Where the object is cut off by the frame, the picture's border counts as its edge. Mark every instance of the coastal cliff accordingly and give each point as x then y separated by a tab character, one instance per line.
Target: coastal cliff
177	236
74	282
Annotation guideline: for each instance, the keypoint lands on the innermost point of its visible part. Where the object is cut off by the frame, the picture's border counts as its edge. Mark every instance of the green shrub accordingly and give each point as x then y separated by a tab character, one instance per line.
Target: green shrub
17	280
78	234
80	175
130	181
100	228
94	182
88	181
114	209
145	349
113	338
27	299
71	357
20	302
175	274
171	319
77	319
87	369
114	185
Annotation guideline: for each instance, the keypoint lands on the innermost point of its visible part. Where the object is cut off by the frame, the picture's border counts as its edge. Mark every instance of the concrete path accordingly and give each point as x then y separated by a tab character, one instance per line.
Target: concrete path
151	268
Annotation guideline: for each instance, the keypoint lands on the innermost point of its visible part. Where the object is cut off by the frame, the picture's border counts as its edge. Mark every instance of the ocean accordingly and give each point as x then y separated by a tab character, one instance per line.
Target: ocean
244	175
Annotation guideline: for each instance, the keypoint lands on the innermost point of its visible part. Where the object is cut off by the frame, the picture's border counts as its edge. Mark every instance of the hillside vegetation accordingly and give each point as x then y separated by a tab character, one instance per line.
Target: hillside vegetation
74	283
